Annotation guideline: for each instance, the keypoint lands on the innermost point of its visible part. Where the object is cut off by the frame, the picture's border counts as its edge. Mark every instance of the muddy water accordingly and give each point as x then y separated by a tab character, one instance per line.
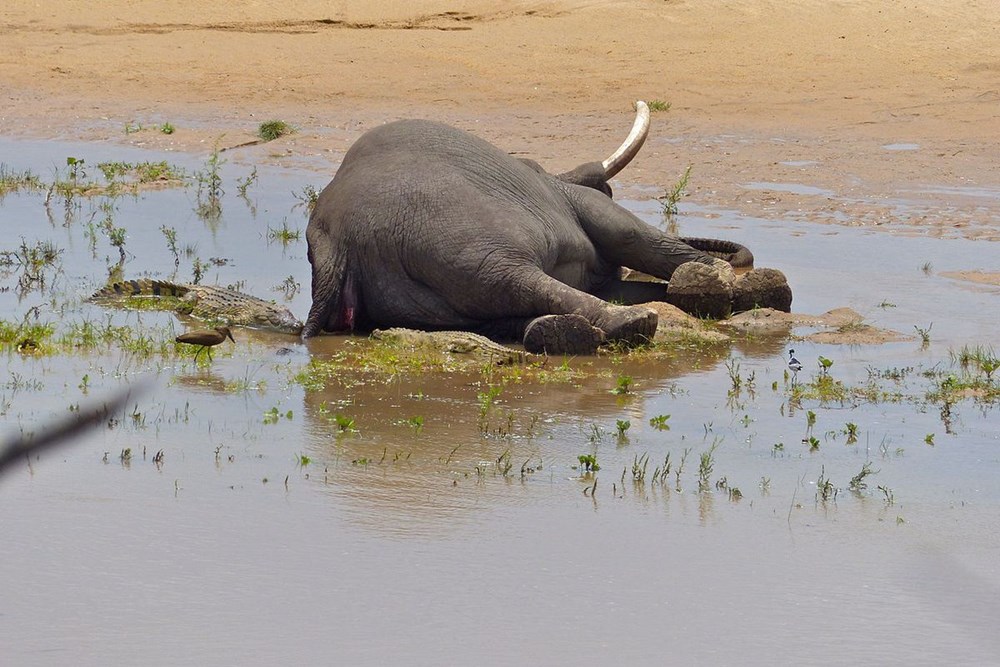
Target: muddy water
474	536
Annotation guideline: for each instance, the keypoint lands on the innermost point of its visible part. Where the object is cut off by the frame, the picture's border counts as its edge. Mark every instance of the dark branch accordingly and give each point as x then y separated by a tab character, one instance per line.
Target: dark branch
63	432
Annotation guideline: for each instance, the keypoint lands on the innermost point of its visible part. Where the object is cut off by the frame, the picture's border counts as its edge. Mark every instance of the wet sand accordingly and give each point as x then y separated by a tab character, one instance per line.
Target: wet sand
867	105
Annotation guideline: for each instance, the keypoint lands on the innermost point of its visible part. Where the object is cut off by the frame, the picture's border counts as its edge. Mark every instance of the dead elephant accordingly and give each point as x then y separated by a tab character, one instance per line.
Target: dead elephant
426	226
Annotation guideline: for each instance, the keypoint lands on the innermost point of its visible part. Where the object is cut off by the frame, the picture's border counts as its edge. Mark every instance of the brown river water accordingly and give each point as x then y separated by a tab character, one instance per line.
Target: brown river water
443	517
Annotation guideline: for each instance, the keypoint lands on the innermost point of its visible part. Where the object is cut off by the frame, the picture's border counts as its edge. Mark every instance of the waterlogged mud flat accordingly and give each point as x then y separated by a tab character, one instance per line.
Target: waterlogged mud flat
294	502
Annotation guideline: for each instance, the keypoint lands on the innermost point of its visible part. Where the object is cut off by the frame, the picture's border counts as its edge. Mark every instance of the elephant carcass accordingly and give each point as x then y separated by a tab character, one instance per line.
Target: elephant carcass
426	226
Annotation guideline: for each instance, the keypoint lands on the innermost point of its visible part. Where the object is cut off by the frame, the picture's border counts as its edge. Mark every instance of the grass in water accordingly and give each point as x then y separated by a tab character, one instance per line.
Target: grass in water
273	129
15	181
672	197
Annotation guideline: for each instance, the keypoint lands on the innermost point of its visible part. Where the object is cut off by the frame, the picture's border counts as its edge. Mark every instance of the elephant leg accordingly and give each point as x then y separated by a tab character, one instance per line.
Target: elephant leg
565	333
623	239
762	288
561	335
703	290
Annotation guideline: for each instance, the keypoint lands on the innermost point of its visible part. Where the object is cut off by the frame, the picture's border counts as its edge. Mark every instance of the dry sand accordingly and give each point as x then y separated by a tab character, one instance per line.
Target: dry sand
785	108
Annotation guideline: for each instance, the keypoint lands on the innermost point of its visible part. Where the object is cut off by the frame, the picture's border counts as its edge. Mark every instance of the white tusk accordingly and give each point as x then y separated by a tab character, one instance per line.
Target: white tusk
633	142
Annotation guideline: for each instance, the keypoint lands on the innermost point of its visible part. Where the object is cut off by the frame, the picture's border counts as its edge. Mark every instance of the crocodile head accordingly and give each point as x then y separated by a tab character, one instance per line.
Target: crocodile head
277	318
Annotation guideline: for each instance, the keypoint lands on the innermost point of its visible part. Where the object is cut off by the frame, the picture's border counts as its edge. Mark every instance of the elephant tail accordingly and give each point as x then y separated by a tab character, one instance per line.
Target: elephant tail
738	256
335	295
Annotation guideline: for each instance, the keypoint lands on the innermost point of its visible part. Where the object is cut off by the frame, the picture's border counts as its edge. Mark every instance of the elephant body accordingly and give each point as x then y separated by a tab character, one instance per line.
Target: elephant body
426	226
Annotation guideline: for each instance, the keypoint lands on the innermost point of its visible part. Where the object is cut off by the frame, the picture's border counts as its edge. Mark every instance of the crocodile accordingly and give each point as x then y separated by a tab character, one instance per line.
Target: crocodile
456	342
207	302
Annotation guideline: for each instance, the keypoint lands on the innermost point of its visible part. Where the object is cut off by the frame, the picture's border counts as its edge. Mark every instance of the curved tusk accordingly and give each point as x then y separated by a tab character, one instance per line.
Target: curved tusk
633	142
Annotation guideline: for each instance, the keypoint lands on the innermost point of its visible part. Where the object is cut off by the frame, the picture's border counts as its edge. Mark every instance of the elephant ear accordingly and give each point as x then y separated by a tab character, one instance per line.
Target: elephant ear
590	175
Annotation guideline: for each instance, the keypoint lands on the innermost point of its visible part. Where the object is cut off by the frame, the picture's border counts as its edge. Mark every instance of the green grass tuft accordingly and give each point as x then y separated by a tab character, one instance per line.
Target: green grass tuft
273	129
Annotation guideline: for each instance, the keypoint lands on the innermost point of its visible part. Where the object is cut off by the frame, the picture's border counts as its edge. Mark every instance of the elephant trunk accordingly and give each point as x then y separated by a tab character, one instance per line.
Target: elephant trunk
738	256
633	142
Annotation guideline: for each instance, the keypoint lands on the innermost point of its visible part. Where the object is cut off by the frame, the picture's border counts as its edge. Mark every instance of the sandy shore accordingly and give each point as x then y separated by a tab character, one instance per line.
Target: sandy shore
810	109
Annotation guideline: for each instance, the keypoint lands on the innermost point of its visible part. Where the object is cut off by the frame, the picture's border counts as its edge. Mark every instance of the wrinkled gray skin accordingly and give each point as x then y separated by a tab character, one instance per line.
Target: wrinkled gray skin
428	227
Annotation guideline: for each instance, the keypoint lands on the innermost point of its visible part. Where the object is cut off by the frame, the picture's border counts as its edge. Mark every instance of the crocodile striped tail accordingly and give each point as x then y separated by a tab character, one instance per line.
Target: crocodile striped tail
141	287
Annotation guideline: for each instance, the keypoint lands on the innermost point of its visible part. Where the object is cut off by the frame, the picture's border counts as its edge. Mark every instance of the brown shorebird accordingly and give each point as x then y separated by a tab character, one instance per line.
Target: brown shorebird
207	338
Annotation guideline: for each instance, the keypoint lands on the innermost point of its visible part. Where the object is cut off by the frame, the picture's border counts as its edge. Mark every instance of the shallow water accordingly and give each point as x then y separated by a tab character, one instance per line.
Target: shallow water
402	543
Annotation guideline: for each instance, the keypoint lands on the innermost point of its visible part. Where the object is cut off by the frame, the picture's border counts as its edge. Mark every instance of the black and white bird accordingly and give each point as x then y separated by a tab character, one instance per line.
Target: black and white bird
794	365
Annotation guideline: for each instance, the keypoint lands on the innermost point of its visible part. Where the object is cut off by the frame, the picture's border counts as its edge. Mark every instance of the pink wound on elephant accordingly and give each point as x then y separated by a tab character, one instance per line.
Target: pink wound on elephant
348	305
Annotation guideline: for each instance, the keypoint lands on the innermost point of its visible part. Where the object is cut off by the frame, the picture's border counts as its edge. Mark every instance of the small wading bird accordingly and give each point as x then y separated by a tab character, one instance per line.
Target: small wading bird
207	338
794	365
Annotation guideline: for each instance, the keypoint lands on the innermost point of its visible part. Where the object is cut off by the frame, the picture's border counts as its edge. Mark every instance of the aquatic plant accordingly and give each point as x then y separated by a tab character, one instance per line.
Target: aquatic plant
116	235
733	370
270	130
680	468
924	333
588	462
825	490
706	465
344	423
661	472
273	415
486	400
141	173
32	261
824	365
307	198
659	422
639	465
673	195
823	388
209	193
171	235
290	286
979	357
284	234
16	181
858	483
416	422
623	385
242	184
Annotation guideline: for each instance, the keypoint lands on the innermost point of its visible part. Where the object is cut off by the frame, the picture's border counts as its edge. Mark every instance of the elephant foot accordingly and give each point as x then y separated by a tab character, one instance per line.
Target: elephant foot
562	334
631	325
762	288
704	290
